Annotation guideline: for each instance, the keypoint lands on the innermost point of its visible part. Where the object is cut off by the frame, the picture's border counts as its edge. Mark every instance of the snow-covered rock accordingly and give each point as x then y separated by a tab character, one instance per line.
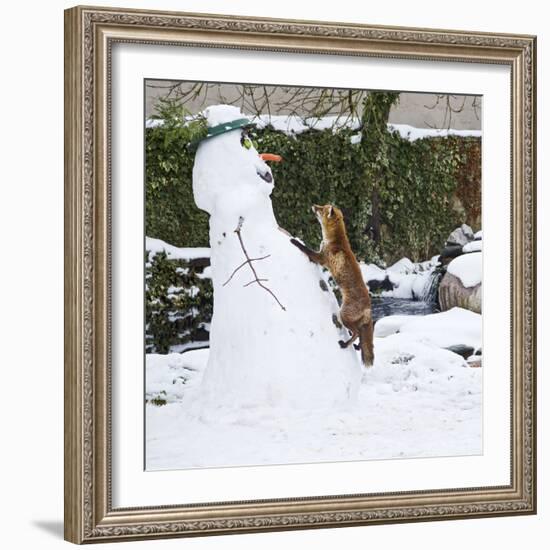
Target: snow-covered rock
372	272
449	328
467	230
276	347
461	235
461	285
468	268
453	293
474	246
402	266
404	279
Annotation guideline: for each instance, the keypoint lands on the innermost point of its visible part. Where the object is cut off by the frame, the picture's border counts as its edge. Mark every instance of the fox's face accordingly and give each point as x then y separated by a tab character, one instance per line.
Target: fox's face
330	217
328	214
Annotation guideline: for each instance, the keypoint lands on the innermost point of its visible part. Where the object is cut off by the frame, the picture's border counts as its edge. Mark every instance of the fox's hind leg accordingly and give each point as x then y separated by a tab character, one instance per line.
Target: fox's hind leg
354	336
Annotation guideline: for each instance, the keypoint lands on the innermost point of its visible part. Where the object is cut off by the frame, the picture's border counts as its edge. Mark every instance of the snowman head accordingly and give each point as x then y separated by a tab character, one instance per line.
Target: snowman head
227	164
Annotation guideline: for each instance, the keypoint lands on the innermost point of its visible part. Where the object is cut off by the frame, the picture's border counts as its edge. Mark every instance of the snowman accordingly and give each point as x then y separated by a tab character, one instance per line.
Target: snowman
273	340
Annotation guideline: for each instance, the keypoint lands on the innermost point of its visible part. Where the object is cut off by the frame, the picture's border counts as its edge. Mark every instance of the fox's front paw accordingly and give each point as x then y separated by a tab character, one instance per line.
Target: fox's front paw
357	346
342	344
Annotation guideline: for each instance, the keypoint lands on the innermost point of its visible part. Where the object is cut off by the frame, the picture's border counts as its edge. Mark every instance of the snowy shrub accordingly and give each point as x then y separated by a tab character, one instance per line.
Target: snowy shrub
178	306
170	211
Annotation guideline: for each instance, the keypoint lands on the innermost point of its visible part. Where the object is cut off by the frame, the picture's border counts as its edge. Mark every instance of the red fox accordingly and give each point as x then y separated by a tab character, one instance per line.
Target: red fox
337	256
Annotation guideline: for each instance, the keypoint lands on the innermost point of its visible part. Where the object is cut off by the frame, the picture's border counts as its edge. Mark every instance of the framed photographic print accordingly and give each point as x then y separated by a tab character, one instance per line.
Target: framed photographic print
300	274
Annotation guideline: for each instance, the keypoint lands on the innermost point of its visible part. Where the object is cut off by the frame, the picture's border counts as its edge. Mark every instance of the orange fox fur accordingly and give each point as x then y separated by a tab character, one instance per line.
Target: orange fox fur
336	254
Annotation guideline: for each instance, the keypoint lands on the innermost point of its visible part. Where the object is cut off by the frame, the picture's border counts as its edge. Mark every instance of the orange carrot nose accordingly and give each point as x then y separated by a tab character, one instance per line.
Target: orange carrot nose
271	156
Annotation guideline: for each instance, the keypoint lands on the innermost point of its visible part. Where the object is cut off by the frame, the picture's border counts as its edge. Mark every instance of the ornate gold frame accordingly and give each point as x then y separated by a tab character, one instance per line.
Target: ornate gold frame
89	35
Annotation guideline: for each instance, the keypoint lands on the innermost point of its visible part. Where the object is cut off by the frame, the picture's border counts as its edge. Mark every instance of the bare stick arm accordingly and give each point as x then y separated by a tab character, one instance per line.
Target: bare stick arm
315	257
248	262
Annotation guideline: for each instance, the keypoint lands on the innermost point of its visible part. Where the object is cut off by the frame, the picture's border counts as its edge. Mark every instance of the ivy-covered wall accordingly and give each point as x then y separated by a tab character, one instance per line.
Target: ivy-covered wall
424	189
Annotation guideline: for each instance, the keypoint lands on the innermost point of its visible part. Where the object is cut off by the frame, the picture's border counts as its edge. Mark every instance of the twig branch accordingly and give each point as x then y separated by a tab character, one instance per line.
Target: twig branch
243	264
248	262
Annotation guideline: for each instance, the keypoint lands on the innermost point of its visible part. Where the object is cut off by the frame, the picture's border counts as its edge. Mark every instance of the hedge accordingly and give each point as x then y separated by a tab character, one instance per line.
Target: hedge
178	297
417	196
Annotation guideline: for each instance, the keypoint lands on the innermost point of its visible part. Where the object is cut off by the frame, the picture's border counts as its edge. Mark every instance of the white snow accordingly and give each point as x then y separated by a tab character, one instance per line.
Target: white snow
206	273
275	387
372	272
473	246
293	125
449	328
417	401
403	286
412	134
262	354
409	279
404	265
289	124
409	286
478	235
154	246
220	114
468	268
169	376
390	325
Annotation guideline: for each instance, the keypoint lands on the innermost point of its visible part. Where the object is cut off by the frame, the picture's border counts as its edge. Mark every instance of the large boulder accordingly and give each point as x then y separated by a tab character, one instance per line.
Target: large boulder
461	235
453	293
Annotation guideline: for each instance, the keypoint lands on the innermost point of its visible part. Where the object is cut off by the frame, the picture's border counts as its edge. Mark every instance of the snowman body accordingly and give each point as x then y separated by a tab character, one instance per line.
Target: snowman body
276	350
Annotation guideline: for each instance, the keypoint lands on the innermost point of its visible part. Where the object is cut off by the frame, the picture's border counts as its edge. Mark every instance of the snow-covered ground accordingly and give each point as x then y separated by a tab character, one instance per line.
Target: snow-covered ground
275	387
418	400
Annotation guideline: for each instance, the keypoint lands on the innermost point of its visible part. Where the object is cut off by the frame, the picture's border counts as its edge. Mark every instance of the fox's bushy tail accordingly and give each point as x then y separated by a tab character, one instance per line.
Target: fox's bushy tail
366	343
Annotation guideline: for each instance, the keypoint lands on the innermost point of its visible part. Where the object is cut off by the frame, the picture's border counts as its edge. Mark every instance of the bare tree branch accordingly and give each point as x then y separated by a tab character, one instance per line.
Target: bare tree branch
243	264
248	262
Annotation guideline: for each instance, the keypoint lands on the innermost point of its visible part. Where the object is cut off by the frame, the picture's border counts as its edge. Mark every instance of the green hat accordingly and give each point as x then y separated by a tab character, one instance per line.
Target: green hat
220	129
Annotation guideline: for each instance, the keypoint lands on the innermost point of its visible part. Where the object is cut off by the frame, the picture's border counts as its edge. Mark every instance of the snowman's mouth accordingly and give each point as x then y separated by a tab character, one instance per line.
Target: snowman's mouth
266	176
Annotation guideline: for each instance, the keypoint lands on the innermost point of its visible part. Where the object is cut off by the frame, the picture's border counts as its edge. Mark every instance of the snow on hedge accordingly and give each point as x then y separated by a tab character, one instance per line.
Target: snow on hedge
154	246
468	268
453	327
293	125
412	134
417	401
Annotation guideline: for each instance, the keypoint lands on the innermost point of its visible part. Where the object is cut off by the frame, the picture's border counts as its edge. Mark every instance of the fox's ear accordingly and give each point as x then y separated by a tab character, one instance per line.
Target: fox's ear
331	211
